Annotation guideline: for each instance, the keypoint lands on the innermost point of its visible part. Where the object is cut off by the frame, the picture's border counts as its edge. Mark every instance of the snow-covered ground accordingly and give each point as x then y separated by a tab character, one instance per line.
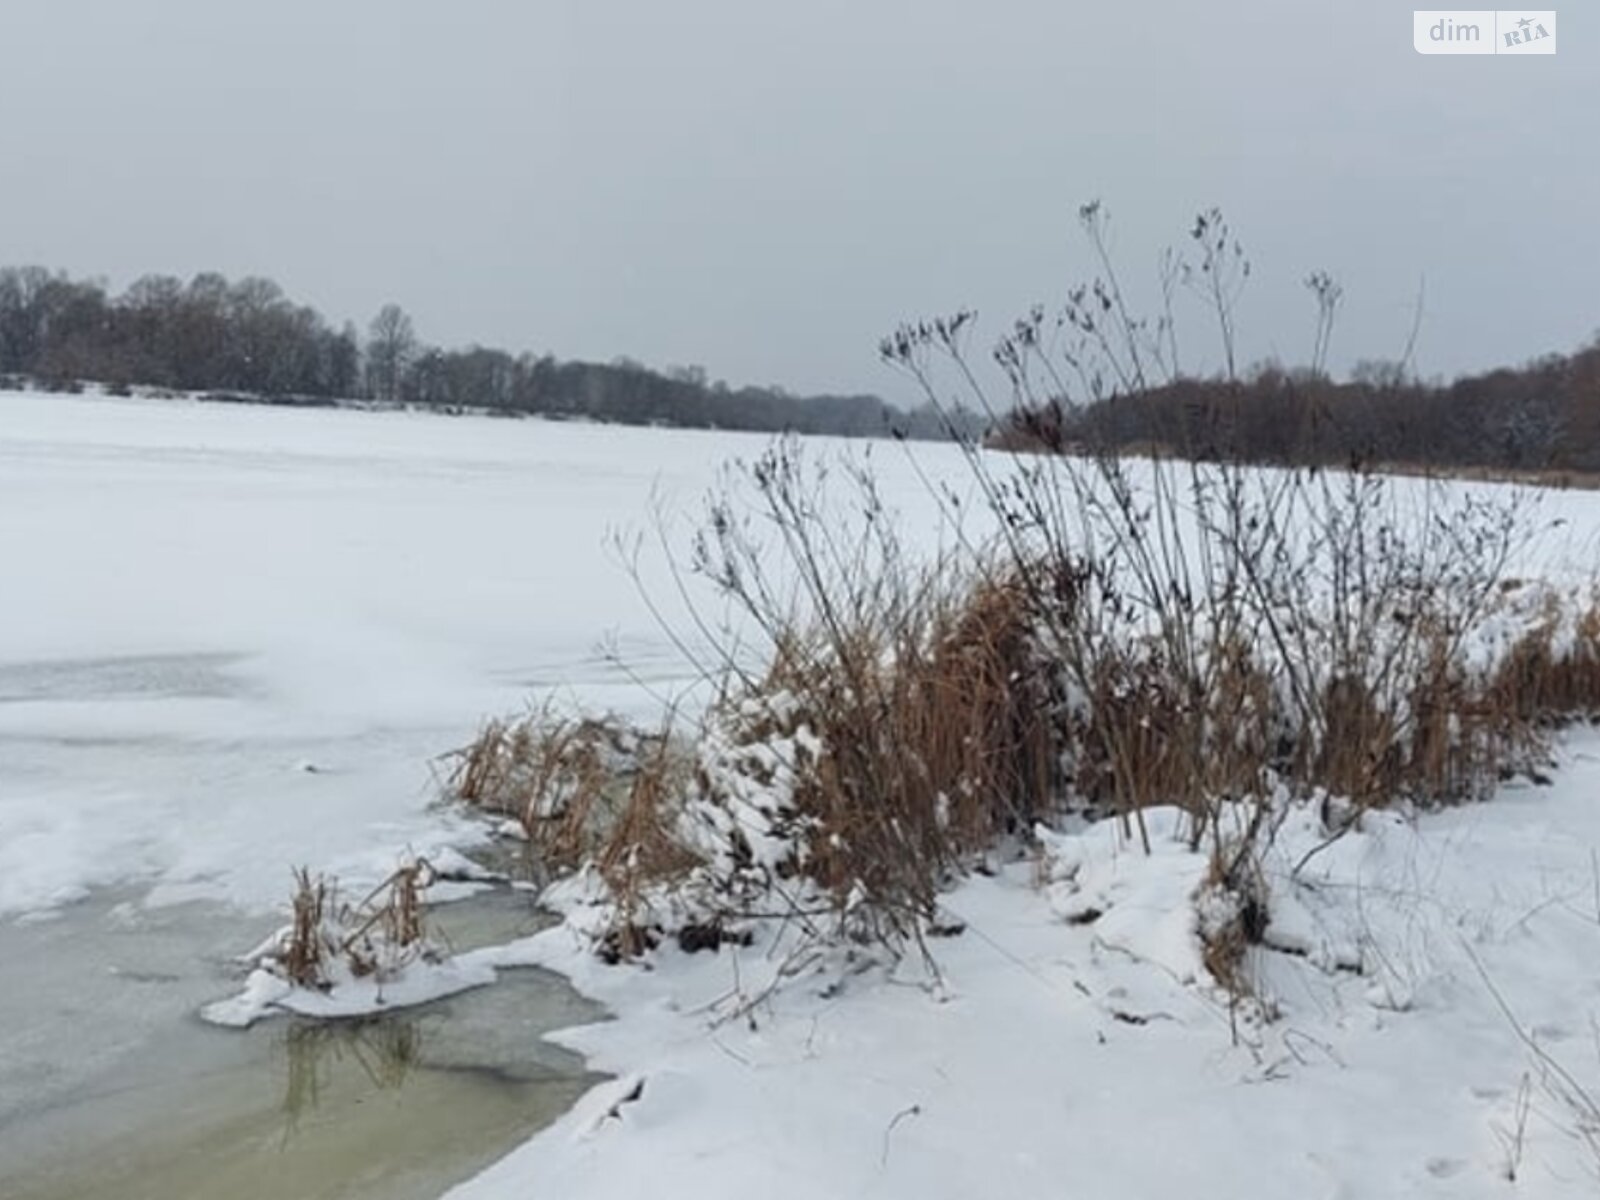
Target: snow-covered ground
1064	1059
231	640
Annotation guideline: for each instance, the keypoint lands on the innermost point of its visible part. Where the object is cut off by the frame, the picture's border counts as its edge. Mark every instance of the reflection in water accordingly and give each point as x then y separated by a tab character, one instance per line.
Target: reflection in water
385	1049
397	1106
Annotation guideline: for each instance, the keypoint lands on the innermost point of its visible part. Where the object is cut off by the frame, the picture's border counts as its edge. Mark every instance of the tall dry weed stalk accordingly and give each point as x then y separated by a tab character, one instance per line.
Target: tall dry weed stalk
1232	626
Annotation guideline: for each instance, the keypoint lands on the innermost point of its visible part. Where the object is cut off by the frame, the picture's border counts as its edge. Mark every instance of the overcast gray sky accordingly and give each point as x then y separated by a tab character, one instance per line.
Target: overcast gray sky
766	188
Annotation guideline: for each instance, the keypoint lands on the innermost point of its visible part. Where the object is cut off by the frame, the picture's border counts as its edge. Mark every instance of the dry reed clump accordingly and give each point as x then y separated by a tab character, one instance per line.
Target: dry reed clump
1459	744
928	741
306	950
1552	672
387	928
867	765
564	779
1152	732
589	792
643	849
376	937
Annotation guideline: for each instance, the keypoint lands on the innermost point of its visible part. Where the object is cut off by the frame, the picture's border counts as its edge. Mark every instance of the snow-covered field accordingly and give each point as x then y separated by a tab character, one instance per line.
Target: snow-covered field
231	640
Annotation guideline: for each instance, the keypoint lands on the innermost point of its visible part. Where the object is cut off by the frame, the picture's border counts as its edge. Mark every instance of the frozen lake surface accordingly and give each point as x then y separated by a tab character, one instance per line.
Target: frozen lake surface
234	638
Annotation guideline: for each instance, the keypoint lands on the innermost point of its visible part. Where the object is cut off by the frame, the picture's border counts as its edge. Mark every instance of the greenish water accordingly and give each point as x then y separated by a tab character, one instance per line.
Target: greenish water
112	1088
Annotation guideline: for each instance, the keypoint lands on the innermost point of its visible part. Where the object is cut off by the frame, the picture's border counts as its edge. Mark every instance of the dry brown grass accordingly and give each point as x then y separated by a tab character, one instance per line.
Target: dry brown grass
563	778
933	740
1539	681
390	919
385	930
304	955
644	848
588	791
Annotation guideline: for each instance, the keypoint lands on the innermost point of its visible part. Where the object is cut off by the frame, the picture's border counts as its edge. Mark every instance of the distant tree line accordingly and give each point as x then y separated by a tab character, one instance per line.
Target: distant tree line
205	335
245	339
1540	417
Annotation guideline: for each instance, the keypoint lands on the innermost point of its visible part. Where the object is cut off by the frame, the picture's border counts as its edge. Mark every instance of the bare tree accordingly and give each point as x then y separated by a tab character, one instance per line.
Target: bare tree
391	345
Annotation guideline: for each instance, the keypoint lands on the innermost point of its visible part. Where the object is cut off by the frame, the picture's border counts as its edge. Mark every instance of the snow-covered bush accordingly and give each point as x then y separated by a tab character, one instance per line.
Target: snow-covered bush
1183	634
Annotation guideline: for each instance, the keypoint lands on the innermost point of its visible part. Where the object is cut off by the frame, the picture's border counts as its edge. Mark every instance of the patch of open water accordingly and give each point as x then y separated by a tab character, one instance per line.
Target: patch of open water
112	1087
